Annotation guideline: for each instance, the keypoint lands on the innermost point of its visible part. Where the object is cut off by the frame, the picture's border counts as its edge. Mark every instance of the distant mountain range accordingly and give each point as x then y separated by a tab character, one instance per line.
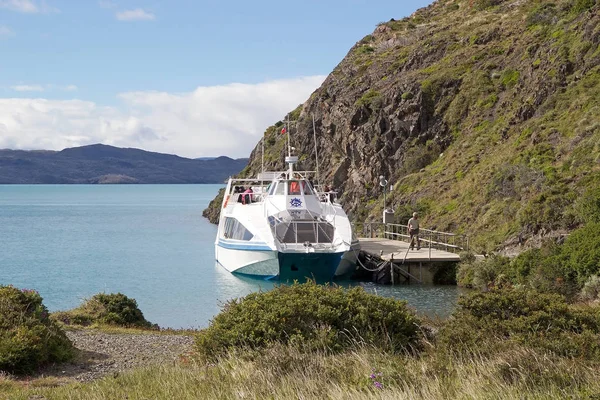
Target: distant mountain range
107	164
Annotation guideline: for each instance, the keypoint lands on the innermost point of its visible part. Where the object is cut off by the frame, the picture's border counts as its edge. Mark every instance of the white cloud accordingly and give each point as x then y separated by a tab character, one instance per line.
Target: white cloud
135	15
28	88
42	88
27	6
210	121
5	32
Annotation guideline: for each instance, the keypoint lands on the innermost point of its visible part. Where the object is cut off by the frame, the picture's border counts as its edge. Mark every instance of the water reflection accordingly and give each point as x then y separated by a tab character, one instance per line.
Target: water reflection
430	300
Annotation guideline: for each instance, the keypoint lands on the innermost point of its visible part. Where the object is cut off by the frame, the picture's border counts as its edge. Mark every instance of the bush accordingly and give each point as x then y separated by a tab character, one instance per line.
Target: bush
482	274
583	5
310	316
580	253
28	338
527	317
591	289
110	309
588	206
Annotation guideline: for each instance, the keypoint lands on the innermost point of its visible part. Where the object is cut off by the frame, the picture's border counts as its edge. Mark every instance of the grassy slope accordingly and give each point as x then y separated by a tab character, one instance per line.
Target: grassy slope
286	374
507	94
526	136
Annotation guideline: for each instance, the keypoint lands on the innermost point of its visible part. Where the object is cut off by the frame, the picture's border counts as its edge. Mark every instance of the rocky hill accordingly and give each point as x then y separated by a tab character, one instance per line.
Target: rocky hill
483	114
106	164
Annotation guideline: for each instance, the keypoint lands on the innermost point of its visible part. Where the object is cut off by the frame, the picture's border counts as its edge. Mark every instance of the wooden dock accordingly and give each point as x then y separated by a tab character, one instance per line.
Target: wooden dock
388	249
386	258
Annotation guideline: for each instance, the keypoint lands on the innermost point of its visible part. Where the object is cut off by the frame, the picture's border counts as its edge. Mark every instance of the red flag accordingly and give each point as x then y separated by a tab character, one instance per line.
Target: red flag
283	130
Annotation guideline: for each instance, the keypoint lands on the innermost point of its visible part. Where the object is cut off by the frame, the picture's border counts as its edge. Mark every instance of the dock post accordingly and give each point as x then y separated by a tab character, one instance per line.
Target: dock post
392	268
430	239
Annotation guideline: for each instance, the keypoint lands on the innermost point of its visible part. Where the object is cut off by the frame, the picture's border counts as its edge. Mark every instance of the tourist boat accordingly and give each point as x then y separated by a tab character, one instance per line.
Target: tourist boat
280	225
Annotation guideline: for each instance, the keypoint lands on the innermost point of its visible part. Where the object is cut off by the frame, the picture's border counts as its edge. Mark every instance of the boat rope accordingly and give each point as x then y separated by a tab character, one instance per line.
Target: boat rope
380	266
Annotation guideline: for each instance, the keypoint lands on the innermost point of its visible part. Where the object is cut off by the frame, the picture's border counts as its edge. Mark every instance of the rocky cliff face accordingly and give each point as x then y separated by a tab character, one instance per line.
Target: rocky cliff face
483	114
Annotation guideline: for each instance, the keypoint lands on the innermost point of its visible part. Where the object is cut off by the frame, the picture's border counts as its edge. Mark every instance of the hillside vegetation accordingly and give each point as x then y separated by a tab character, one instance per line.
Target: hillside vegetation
483	114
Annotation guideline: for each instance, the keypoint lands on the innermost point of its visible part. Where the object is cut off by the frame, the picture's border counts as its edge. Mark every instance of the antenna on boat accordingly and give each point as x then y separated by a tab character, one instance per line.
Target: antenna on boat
291	160
288	136
316	149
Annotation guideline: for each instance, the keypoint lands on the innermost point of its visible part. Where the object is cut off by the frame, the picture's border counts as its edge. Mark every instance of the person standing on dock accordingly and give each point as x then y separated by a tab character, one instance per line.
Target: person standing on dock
413	231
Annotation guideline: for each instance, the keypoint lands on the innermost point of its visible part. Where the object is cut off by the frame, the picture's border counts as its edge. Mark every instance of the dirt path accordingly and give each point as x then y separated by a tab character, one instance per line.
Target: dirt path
104	354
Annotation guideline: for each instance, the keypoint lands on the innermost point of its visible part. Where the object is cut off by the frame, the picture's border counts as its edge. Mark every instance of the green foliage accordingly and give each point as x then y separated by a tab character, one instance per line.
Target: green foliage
581	253
28	338
482	274
294	115
546	210
580	6
485	4
371	99
543	14
588	206
536	320
510	78
110	309
591	289
365	49
311	316
407	96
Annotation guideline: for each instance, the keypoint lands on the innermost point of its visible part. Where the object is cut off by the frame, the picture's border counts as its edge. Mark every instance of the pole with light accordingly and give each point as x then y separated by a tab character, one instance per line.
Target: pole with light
383	183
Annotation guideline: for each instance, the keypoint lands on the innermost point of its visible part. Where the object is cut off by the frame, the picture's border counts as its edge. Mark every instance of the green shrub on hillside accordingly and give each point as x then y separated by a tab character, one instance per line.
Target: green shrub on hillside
111	309
28	338
482	274
526	317
583	5
311	316
591	289
588	206
580	253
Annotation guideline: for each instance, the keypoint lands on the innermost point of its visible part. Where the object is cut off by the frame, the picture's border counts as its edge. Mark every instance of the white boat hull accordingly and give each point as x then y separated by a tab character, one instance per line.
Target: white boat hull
248	262
269	263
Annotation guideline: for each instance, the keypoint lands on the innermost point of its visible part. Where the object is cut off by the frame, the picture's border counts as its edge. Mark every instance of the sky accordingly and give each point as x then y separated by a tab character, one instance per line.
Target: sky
196	78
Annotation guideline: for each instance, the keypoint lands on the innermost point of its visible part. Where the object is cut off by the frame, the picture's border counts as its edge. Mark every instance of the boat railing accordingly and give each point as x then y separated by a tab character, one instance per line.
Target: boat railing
238	187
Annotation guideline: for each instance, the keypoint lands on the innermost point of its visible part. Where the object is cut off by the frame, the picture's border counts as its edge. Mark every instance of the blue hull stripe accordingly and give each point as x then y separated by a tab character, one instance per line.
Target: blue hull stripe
249	246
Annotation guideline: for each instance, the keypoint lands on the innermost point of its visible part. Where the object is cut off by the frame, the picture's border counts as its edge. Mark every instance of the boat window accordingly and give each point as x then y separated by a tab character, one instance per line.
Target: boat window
234	229
306	188
271	188
280	188
294	188
304	231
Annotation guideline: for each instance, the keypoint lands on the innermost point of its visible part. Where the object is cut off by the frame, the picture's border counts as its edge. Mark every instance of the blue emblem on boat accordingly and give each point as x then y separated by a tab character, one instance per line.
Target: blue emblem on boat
296	202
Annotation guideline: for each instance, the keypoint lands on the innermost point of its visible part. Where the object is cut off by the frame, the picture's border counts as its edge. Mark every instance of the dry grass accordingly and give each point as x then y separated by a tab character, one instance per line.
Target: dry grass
284	373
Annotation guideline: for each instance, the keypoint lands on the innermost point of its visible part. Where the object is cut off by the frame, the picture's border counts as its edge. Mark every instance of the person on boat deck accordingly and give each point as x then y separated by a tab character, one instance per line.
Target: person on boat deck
327	194
294	187
239	190
247	196
413	230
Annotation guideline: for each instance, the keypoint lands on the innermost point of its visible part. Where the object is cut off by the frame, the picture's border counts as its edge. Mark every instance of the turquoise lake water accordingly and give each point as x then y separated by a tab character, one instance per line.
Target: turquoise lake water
149	242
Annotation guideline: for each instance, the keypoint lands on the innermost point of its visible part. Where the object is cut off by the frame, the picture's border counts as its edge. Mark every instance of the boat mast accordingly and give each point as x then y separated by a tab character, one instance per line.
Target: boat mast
291	160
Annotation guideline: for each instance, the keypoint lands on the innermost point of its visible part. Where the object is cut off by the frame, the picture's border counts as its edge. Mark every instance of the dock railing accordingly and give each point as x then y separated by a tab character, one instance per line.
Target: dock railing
432	239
